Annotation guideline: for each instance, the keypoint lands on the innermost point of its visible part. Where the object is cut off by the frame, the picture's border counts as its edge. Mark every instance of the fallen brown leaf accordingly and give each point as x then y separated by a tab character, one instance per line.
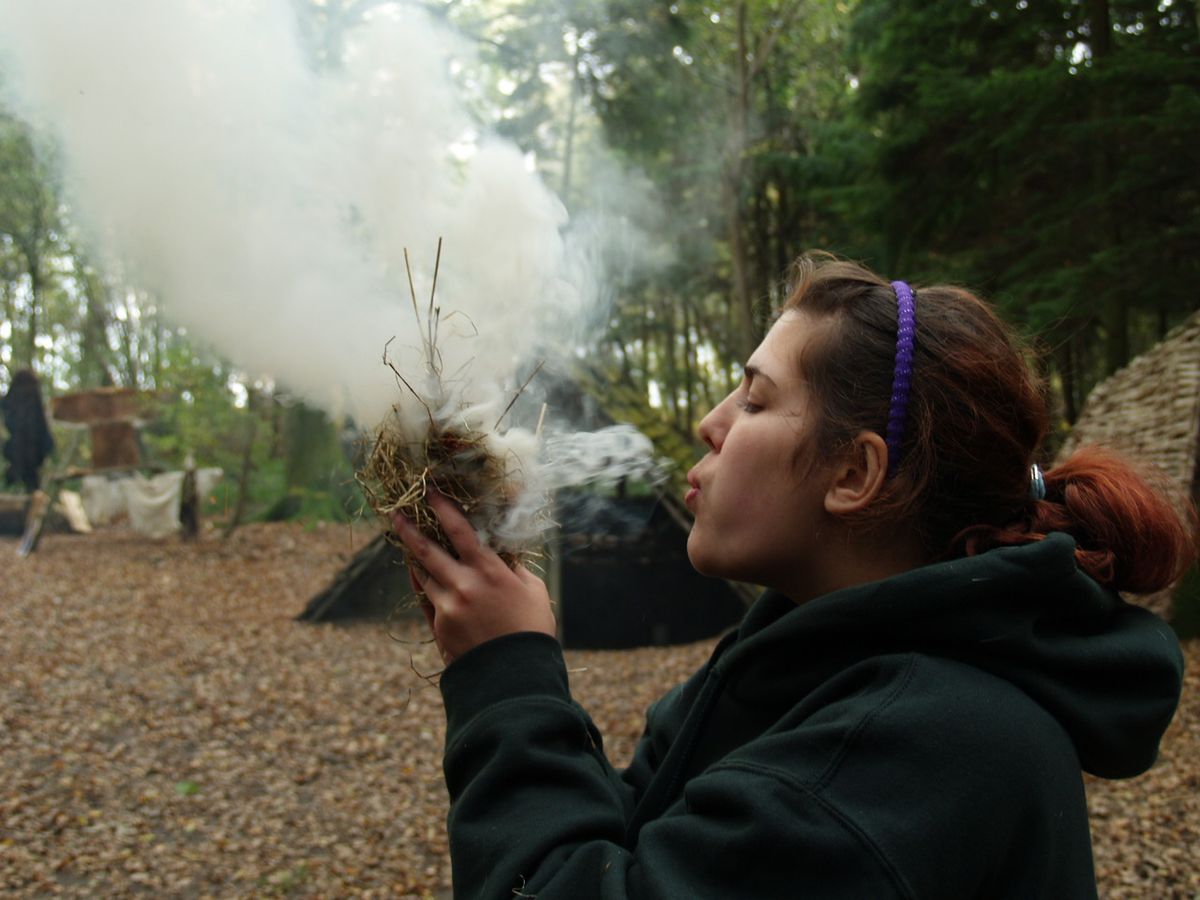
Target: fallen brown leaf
167	729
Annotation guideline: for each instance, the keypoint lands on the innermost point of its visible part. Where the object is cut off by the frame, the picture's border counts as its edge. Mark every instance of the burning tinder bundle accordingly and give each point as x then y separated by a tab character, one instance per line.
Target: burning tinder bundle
440	437
435	440
450	453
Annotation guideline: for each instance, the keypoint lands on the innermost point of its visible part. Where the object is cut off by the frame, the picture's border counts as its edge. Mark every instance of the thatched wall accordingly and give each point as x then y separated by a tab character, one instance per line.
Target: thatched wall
1150	411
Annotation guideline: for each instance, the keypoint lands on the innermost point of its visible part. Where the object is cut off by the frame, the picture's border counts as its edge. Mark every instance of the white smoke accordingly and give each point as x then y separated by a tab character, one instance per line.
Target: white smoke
269	205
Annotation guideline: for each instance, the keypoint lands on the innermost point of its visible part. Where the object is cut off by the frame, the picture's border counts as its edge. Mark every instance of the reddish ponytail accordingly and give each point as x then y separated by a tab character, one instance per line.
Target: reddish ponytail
1129	536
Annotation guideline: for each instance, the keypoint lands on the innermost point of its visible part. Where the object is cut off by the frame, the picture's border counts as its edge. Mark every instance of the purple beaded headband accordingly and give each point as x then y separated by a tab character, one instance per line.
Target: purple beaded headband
906	328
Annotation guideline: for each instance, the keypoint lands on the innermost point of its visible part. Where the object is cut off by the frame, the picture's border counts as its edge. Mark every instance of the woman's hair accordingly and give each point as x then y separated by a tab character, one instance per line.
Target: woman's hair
976	417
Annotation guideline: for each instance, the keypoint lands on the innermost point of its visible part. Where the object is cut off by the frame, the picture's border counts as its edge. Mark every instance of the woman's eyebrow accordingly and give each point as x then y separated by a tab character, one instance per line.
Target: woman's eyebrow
753	371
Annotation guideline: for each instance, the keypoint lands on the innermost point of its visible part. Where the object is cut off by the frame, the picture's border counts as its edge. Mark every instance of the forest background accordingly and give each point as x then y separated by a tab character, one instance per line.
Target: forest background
1044	152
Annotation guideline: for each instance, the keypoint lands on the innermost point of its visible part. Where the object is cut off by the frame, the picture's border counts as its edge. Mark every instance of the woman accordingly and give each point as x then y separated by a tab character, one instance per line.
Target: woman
906	709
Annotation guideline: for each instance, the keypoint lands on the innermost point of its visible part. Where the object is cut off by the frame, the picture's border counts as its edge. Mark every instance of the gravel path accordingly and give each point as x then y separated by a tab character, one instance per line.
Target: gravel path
167	730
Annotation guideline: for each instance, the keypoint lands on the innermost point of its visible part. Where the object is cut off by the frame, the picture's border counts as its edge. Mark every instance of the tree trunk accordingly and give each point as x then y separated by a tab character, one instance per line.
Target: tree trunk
742	298
308	436
1116	303
569	140
706	387
94	351
670	372
1116	326
158	338
239	508
1100	22
129	343
731	376
311	461
645	323
9	304
1066	371
623	352
9	311
747	333
31	249
189	505
689	389
35	298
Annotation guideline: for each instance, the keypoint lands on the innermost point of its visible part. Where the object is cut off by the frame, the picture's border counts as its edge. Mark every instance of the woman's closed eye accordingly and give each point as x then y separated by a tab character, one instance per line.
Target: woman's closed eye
746	405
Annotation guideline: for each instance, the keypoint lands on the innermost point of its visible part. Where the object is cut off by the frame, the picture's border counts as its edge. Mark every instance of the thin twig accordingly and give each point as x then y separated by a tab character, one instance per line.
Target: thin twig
412	290
429	321
459	312
431	679
412	390
536	369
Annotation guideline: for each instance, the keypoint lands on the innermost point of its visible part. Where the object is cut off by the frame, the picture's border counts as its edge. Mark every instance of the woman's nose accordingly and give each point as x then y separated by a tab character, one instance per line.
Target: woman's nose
712	427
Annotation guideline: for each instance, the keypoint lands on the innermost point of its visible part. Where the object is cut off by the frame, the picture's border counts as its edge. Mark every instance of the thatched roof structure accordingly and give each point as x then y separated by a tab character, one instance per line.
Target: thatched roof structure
1150	412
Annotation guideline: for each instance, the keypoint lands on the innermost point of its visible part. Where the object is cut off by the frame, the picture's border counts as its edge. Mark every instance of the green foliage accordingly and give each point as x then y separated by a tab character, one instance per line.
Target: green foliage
1031	150
29	238
725	108
196	411
318	478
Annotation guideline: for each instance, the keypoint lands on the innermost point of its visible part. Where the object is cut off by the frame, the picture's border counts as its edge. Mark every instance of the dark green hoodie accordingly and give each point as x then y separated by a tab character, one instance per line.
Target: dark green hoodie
916	737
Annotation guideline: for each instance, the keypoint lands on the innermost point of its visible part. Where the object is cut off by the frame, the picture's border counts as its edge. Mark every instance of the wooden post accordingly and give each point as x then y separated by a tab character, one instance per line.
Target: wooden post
41	501
247	468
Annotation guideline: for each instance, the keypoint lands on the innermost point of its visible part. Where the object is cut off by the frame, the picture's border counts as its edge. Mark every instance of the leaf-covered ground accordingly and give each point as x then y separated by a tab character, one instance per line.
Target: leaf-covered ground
167	729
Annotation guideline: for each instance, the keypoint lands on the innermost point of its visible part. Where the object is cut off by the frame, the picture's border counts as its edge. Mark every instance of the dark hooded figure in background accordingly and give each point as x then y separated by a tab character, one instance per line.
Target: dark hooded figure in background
29	439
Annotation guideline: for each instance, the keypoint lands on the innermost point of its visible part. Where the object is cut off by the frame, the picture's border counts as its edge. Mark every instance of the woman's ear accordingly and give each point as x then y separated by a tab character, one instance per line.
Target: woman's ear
858	477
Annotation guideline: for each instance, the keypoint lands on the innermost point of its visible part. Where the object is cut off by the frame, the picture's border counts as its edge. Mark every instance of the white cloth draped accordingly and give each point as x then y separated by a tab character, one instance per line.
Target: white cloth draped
152	504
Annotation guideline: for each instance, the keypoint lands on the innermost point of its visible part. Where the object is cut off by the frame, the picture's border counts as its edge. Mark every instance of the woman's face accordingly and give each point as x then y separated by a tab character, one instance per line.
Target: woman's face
759	513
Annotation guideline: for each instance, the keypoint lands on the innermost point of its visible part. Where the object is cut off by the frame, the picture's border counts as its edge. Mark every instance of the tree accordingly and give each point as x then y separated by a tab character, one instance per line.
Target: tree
725	102
29	228
95	354
1044	151
728	109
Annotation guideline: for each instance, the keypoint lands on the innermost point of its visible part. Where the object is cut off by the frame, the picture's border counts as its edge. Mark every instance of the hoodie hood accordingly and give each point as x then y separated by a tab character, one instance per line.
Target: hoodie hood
1108	671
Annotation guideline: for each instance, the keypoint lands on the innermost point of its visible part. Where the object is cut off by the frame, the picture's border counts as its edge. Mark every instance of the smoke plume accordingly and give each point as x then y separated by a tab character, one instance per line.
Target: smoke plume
268	203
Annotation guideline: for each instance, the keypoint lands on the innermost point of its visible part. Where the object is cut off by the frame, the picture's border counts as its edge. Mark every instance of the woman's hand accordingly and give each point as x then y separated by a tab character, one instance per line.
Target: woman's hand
476	597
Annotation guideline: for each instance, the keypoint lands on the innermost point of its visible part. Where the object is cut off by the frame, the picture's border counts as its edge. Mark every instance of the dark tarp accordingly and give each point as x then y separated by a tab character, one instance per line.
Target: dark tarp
627	580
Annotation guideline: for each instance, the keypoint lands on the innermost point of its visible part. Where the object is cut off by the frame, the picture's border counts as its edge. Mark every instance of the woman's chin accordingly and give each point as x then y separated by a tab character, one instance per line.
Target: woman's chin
704	561
696	555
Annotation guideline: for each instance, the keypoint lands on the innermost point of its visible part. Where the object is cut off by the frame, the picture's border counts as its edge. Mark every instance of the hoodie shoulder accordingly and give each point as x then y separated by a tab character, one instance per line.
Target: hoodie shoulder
1108	672
932	759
